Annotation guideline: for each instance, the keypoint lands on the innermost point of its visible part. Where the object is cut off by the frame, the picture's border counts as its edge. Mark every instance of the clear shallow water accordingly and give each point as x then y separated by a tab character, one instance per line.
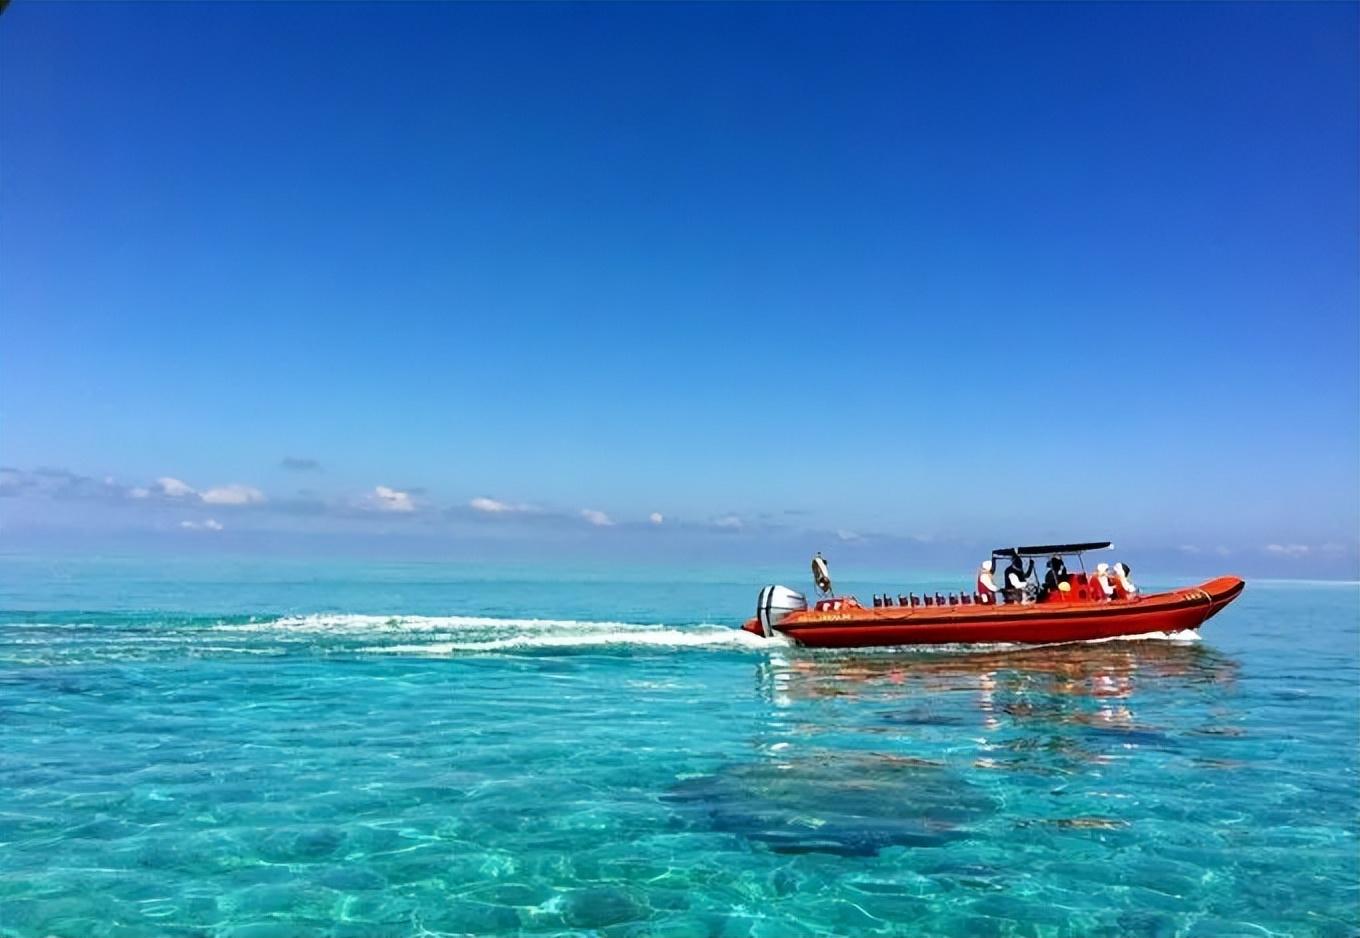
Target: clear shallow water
256	749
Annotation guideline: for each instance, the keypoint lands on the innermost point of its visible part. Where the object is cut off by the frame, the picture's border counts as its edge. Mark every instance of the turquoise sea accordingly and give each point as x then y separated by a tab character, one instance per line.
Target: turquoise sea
235	748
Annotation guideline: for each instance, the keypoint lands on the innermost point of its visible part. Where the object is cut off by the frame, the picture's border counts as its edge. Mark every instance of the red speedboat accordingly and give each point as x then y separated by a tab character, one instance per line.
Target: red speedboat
1078	612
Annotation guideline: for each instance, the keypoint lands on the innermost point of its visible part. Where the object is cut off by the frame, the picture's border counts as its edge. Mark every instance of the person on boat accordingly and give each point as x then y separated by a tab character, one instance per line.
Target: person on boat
1123	586
821	574
987	589
1018	587
1103	588
1055	580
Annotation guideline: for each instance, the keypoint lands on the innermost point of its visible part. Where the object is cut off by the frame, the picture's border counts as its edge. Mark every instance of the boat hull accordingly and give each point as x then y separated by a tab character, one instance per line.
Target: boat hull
1038	623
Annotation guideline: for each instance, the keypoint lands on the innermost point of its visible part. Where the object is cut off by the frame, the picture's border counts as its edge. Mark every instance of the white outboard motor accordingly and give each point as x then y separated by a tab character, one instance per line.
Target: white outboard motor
775	603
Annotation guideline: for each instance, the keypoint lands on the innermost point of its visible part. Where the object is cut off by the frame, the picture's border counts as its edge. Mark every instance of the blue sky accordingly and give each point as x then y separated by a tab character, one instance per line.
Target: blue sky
886	276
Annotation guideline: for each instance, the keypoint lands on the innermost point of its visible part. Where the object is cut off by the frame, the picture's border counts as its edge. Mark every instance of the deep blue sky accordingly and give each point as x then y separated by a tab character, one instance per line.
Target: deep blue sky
960	273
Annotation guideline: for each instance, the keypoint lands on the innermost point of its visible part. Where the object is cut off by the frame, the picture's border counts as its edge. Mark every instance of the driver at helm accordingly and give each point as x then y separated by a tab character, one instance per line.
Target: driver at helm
1018	588
1055	580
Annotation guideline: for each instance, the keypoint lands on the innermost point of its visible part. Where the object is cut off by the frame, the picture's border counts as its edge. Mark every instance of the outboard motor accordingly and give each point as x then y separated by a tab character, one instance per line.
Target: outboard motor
776	602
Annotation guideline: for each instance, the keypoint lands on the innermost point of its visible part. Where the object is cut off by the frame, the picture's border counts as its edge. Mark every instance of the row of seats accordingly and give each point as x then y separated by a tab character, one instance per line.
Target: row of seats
1082	591
939	599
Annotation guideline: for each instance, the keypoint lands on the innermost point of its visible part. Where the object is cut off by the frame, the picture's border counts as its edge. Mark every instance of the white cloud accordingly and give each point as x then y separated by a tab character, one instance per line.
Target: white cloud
597	518
174	488
845	535
389	499
731	522
234	494
1287	550
1188	549
209	525
656	517
490	506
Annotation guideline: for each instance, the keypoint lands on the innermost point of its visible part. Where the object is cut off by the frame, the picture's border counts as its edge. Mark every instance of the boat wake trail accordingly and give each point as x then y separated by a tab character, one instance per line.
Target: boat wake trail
84	637
463	635
454	635
712	637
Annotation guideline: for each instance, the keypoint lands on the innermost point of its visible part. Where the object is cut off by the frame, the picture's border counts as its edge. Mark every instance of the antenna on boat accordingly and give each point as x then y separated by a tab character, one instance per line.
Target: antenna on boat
821	576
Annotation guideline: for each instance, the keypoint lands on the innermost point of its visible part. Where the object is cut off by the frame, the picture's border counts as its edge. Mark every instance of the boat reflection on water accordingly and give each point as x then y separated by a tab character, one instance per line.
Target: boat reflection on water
1093	669
1009	702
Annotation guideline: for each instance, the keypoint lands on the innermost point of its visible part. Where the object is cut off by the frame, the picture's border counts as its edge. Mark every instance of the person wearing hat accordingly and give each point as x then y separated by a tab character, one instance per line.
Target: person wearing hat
986	585
1104	588
1123	586
1055	580
1017	585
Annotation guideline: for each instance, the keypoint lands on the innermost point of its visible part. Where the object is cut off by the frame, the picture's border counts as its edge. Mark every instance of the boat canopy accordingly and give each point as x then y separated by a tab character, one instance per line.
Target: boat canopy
1047	550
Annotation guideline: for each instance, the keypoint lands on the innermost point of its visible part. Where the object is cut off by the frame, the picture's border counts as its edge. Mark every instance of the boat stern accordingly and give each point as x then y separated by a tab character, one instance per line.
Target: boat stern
773	605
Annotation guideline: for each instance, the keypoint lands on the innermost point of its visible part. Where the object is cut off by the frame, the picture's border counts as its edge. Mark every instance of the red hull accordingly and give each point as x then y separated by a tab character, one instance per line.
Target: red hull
1039	623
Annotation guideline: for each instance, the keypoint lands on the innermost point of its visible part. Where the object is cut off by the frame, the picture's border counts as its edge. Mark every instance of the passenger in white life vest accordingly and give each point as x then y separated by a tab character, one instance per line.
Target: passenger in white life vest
986	586
1123	586
1102	581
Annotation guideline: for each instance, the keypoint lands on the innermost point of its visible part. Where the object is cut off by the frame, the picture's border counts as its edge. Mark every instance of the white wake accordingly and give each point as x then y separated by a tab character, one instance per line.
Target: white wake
450	635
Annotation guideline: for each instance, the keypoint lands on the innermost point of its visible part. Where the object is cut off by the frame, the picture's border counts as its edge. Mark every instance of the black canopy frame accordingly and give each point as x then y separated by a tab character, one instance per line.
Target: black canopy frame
1048	550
